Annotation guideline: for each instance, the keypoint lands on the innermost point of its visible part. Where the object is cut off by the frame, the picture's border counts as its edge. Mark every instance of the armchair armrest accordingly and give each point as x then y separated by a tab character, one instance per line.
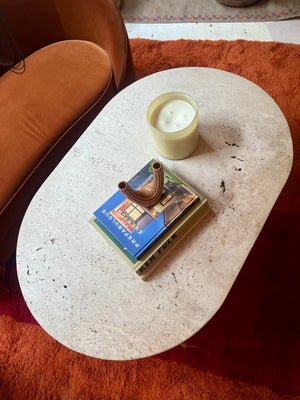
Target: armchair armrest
38	23
100	22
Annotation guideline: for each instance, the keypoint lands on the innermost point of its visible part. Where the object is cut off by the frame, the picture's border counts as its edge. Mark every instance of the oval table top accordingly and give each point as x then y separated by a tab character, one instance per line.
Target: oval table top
80	290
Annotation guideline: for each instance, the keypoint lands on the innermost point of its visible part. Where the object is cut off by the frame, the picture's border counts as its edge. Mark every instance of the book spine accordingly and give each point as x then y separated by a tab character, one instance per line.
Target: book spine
160	252
148	265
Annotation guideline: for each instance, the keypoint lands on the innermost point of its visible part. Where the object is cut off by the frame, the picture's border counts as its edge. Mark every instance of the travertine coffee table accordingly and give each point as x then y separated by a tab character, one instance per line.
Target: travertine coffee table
80	290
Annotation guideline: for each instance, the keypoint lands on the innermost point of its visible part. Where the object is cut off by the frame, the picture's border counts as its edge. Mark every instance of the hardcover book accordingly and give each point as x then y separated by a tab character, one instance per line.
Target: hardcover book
141	235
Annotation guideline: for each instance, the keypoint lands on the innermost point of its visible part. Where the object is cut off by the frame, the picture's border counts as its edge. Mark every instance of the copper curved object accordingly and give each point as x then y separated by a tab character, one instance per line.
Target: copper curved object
149	195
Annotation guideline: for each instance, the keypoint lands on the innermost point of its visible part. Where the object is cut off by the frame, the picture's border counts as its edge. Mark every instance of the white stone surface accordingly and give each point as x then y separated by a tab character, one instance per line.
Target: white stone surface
285	31
204	31
80	290
280	31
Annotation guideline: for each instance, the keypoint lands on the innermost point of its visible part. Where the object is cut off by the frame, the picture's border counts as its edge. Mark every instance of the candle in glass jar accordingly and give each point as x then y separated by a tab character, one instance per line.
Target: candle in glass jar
173	120
175	115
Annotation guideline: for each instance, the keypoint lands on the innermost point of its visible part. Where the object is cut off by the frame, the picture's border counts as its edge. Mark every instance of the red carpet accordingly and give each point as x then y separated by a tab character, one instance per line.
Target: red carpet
251	348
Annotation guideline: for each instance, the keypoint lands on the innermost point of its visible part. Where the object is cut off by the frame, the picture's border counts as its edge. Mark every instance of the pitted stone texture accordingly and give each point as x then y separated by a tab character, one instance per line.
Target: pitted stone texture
80	290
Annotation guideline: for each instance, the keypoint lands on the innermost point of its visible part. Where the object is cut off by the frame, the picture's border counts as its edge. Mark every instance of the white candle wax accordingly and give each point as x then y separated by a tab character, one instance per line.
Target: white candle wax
175	115
173	119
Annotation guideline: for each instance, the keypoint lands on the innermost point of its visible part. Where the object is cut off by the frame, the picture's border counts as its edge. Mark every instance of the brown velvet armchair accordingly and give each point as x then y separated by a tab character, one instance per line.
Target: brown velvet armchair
77	56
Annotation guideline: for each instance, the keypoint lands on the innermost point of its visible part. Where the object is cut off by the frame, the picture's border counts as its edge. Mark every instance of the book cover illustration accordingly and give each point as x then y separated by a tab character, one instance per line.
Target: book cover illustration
134	228
149	261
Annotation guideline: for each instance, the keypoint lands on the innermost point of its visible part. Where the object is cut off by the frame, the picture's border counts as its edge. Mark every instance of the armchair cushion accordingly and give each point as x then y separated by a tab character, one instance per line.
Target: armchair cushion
62	82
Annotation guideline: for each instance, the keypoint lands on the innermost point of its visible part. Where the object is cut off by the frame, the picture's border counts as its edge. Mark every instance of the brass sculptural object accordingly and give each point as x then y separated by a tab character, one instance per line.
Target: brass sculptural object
149	195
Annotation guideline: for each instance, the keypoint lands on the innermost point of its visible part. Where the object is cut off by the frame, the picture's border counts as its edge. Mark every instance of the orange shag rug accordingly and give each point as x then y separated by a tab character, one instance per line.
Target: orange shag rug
251	347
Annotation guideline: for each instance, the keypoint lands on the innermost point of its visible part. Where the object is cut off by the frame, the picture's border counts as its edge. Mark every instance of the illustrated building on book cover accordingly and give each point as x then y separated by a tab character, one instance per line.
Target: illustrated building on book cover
141	234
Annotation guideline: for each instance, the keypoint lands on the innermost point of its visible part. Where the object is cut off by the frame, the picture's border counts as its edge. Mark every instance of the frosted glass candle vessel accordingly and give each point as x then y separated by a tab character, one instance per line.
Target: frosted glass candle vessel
174	123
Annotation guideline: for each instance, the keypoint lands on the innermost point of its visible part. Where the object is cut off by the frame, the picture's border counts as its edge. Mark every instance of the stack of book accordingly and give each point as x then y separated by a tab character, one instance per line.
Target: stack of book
143	236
